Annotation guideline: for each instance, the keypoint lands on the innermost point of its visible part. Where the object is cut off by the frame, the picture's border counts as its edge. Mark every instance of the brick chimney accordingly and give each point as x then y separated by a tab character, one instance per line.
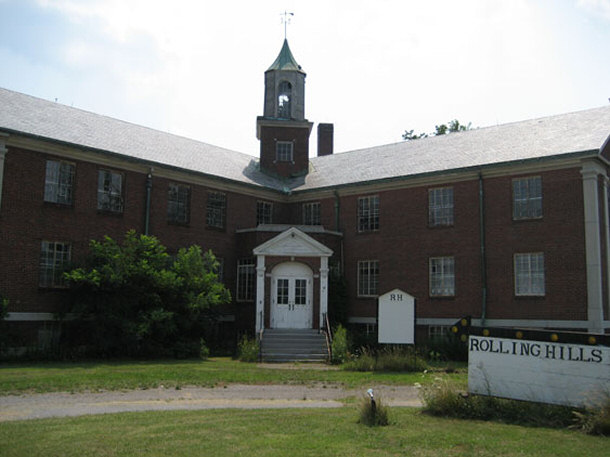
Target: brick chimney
325	139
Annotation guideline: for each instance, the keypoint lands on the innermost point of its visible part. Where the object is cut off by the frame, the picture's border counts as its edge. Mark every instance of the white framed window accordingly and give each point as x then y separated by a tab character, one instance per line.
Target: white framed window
54	259
529	274
368	213
283	100
245	279
311	213
264	212
283	290
220	269
440	206
527	198
368	278
300	291
216	211
283	151
178	203
439	332
442	276
110	191
59	181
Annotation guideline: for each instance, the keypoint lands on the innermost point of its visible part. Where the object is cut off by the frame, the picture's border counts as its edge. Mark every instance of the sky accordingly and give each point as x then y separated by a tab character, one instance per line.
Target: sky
374	68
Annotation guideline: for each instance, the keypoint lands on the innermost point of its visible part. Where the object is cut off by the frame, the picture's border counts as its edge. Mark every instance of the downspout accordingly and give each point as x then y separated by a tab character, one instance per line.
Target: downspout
483	253
337	212
147	209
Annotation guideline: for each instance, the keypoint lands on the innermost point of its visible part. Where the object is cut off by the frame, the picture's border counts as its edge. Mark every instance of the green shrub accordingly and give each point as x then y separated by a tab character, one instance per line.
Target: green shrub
373	415
388	359
248	350
340	345
443	399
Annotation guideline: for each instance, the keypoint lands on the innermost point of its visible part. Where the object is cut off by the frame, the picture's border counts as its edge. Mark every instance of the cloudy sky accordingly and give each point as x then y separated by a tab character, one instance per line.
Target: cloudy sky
374	68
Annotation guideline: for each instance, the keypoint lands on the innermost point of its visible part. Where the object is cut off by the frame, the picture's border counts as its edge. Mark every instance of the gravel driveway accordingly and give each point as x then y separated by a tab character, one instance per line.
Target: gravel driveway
34	406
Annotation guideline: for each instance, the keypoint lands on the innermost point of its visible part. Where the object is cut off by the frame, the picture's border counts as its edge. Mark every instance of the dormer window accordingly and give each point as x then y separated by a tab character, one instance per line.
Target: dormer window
283	100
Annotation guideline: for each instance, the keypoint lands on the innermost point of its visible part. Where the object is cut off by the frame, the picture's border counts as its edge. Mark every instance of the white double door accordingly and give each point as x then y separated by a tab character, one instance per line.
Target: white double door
291	300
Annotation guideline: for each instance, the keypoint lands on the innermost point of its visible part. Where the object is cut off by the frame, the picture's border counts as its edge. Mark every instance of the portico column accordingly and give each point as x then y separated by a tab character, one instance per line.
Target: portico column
590	182
3	152
260	293
323	289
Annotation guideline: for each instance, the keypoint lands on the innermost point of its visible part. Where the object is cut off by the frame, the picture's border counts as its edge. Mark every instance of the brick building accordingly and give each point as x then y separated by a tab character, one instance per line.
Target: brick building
507	223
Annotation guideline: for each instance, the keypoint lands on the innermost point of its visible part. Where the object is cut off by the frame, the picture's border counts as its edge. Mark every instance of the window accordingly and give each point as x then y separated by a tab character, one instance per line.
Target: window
245	279
439	332
283	151
282	291
529	274
368	278
216	211
368	213
54	258
300	291
110	191
178	204
440	206
311	213
264	212
58	183
527	198
442	276
283	100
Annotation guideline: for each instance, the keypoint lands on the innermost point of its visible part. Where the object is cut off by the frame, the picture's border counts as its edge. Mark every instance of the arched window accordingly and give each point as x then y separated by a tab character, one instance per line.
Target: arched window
283	100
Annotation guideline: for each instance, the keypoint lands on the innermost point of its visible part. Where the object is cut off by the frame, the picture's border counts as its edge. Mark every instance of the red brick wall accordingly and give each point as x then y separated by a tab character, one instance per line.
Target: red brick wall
300	137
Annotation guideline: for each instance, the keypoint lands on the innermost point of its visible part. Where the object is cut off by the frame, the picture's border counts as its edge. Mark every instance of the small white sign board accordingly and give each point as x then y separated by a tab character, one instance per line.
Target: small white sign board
558	373
396	320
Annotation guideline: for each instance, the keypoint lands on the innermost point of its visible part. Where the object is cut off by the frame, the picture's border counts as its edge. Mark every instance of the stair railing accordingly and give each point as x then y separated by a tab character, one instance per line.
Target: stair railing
260	337
329	337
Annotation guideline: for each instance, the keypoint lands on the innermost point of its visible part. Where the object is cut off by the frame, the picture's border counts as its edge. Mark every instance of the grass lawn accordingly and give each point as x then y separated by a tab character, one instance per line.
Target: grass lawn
76	377
306	432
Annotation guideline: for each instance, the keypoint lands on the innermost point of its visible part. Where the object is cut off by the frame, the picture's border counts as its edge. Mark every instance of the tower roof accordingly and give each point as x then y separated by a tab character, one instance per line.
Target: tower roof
285	60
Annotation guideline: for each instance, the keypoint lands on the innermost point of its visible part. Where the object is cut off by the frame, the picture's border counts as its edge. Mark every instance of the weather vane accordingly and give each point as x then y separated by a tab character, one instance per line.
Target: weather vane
286	20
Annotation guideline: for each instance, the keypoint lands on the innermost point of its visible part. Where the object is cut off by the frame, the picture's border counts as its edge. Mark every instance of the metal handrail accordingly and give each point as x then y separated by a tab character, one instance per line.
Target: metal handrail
260	338
329	337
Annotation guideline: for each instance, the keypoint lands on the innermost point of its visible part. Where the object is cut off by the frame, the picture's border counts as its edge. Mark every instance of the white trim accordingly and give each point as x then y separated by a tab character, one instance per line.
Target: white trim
607	240
521	323
293	242
323	290
260	293
590	182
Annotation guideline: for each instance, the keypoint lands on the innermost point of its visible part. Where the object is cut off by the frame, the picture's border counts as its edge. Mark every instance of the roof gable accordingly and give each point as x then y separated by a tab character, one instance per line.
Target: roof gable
293	242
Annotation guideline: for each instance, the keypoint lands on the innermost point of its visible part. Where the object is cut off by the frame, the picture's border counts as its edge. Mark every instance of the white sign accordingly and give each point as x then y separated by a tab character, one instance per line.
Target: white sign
559	373
396	318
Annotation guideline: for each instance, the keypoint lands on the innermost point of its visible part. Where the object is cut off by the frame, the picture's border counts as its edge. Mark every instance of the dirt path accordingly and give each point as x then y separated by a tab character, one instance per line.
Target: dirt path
34	406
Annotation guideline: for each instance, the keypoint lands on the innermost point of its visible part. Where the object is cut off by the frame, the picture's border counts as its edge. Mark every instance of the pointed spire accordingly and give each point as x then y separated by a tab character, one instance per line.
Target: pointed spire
285	60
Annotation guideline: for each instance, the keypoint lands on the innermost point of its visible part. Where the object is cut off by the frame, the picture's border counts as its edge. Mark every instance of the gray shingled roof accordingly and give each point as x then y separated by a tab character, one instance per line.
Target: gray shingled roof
40	118
583	131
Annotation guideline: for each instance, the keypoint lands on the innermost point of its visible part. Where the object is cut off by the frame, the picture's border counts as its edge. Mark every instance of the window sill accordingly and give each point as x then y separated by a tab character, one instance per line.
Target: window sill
179	223
107	212
58	205
215	228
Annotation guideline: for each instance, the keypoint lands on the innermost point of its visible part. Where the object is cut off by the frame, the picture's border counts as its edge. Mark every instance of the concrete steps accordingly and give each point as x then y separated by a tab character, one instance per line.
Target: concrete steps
292	345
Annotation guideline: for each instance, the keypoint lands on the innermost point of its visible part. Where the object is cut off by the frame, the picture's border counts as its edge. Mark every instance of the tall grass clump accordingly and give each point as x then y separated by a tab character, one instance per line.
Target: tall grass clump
388	359
595	419
443	399
248	350
373	414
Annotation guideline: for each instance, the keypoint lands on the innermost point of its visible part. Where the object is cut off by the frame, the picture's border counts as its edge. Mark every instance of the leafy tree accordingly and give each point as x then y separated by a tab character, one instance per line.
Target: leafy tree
442	129
135	299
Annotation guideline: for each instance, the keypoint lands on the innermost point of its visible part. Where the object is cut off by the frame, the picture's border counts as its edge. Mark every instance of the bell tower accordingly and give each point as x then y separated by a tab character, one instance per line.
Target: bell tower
283	130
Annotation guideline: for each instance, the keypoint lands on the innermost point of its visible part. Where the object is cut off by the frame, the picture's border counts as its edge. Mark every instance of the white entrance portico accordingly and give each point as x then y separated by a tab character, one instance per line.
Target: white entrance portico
291	281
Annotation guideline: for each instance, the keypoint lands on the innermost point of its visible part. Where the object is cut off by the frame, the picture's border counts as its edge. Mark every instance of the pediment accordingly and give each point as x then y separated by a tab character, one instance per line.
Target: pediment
293	242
